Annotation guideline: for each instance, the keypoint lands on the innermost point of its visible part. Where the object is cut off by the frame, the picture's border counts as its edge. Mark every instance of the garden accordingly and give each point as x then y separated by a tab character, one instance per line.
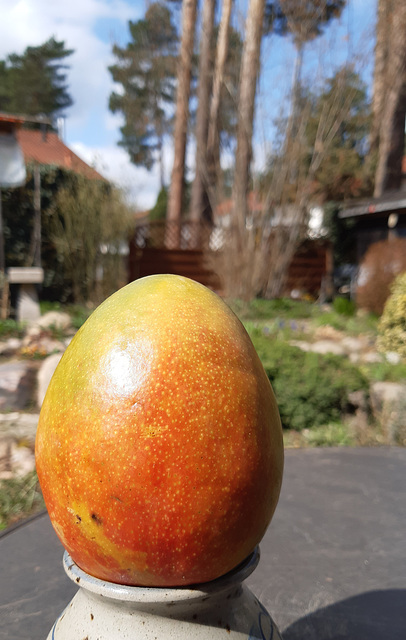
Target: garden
338	373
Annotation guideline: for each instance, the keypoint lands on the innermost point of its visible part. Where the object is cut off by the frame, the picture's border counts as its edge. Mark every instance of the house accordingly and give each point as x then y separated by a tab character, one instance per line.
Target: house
46	148
35	147
378	219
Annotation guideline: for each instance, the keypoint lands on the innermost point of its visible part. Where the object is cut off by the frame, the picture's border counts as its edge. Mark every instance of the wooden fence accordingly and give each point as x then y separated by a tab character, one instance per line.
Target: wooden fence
184	249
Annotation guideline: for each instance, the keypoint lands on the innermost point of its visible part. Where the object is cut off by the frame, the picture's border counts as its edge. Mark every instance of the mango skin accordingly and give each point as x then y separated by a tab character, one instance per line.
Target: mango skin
159	447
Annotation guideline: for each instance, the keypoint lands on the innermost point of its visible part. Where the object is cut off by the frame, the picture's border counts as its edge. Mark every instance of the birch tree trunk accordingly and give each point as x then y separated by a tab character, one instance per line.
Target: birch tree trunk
174	211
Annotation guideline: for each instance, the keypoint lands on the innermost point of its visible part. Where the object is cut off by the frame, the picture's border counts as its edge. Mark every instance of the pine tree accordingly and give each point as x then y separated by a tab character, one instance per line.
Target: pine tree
35	82
146	69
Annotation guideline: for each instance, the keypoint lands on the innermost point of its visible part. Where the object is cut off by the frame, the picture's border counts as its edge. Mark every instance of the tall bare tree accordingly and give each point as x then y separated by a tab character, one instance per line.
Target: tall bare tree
199	203
213	135
389	104
174	211
379	81
270	235
250	65
304	20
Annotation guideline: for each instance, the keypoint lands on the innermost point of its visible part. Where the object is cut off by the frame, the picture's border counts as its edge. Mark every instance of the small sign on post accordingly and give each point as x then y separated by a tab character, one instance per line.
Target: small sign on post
27	278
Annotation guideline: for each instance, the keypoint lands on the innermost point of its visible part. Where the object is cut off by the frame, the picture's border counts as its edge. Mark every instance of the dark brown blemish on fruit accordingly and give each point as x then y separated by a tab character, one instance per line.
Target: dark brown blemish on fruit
91	616
97	519
78	580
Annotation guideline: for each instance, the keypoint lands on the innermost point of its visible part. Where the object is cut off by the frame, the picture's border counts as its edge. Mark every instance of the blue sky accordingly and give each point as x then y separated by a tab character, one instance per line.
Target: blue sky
91	27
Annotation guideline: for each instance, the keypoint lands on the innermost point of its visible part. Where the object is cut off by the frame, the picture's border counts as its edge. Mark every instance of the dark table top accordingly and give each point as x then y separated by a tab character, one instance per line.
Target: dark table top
333	562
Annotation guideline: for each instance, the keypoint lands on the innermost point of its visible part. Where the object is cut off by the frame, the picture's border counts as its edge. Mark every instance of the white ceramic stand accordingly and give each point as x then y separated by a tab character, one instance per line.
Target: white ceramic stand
221	609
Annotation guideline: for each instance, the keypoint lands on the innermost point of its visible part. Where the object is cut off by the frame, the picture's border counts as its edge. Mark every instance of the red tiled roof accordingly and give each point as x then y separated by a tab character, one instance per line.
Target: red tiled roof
254	204
47	148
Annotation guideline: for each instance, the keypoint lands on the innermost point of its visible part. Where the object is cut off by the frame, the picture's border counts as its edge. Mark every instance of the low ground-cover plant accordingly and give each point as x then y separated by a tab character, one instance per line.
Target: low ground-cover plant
340	315
344	306
10	328
311	389
282	308
20	497
384	372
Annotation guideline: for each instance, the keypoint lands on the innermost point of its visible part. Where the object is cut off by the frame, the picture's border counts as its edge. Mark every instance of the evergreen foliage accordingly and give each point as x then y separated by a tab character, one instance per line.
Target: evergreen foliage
303	19
158	211
146	70
34	83
311	389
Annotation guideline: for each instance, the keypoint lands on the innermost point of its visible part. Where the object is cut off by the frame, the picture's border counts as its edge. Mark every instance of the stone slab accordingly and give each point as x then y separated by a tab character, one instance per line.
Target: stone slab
17	378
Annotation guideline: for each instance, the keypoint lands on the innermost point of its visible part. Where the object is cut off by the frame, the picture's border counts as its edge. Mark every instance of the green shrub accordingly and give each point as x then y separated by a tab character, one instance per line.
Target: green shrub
344	306
311	389
385	371
392	326
11	328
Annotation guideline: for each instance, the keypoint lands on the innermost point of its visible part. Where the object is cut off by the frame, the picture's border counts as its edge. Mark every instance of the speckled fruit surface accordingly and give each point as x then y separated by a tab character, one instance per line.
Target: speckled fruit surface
159	446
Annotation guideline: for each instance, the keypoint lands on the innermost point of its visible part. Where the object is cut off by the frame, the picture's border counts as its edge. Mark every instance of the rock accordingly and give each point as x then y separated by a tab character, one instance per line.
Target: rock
57	319
14	344
388	400
354	345
327	346
392	357
16	458
10	347
33	331
383	393
22	459
45	374
22	426
301	344
16	385
371	357
359	400
49	345
328	333
5	462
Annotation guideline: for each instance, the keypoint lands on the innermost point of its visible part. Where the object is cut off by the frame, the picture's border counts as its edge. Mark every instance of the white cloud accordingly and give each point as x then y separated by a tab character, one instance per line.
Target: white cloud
141	186
90	27
77	23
